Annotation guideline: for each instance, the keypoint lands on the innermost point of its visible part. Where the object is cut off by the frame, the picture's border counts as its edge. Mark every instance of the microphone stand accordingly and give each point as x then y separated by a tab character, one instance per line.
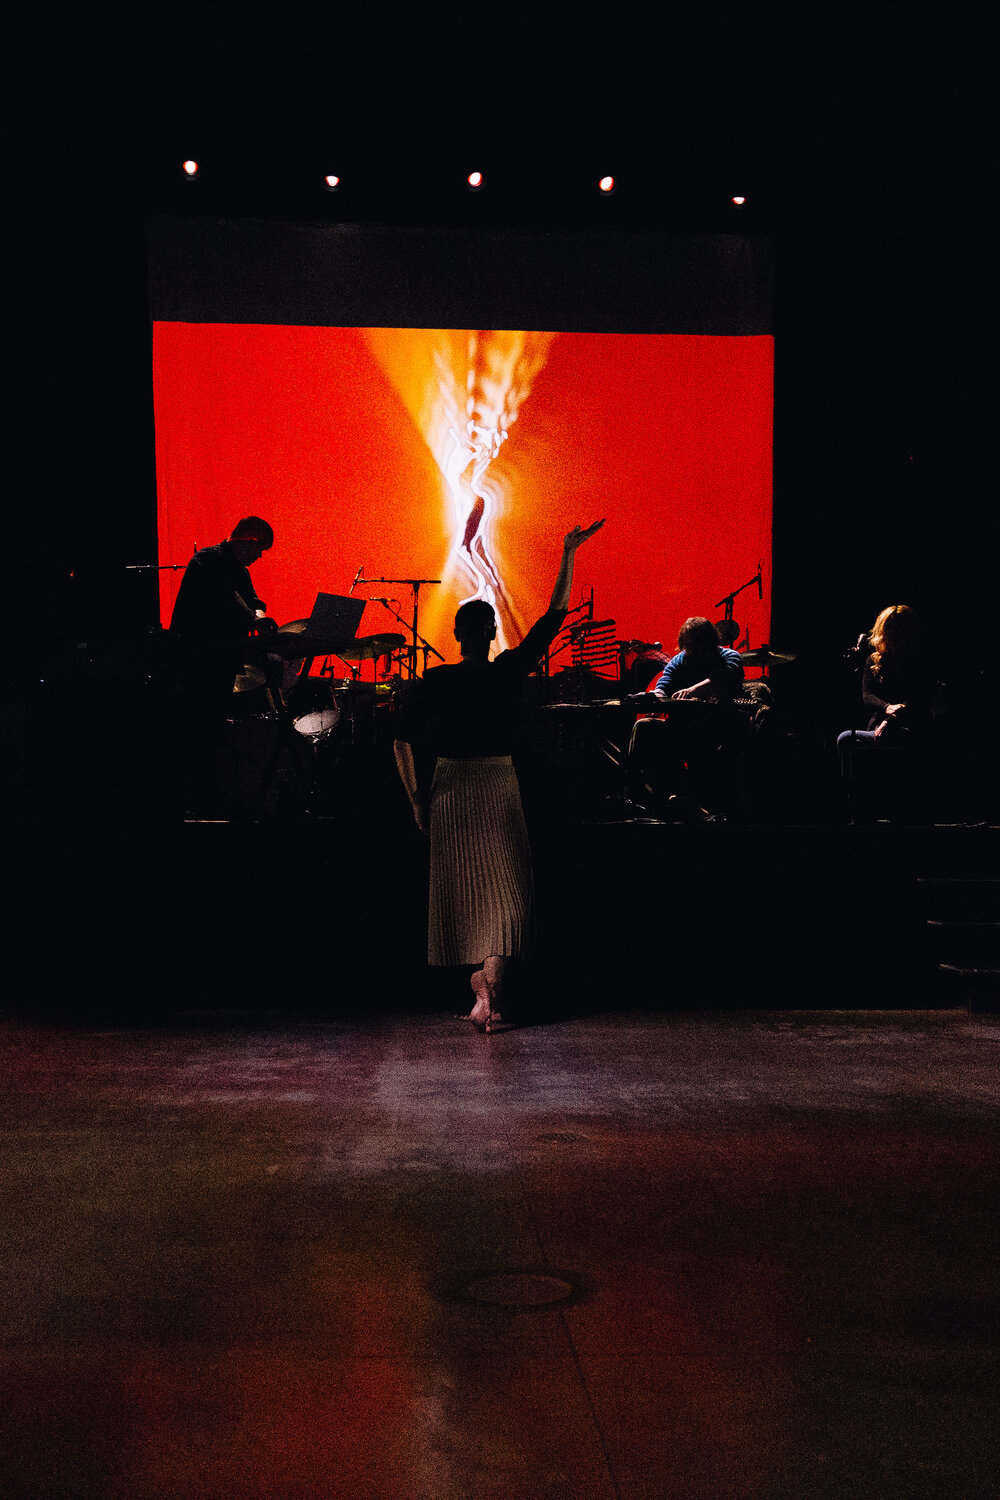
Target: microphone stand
417	640
425	646
564	639
728	600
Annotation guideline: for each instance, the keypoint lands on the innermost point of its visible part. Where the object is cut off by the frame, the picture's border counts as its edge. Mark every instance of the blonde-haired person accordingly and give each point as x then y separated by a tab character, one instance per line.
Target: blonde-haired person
897	691
894	686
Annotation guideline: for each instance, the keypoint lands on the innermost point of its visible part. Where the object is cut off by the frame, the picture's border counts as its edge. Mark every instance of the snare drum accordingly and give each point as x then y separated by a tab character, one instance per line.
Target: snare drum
318	725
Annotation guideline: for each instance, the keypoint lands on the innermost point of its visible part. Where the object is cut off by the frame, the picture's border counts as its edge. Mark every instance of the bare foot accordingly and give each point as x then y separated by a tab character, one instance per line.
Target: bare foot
480	1012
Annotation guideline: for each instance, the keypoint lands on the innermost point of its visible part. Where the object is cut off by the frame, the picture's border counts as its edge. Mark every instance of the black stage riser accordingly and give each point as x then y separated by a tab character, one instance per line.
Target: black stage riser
326	919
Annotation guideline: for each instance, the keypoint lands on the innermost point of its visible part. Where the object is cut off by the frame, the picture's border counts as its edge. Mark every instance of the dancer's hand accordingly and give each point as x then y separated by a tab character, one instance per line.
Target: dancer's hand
574	538
420	815
564	577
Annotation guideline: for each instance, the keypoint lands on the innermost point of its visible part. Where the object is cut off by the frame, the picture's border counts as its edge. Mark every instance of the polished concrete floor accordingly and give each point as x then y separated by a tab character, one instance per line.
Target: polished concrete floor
728	1254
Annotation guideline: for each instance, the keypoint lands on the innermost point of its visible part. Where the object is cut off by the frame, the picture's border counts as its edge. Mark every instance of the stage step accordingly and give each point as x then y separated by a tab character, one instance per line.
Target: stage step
328	916
963	933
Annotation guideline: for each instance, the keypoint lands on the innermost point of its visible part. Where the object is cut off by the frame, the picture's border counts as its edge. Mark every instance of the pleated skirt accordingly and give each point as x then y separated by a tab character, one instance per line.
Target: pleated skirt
482	895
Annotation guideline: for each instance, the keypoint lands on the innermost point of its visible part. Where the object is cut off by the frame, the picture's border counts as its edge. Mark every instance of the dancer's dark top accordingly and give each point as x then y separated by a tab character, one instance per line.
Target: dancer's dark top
472	709
209	610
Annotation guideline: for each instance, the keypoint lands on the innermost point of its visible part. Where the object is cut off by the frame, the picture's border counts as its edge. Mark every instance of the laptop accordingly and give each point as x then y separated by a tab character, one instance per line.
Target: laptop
335	617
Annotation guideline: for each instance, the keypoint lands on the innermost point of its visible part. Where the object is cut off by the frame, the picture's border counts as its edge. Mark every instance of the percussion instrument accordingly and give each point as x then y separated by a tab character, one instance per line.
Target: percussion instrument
293	642
367	647
248	679
316	726
763	656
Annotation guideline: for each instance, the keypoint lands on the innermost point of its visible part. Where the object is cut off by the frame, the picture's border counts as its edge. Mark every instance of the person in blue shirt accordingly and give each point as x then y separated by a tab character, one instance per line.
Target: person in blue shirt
677	766
702	668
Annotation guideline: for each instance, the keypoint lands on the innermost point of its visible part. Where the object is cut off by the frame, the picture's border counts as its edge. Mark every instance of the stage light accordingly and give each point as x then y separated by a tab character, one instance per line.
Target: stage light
190	169
607	184
331	182
738	202
476	180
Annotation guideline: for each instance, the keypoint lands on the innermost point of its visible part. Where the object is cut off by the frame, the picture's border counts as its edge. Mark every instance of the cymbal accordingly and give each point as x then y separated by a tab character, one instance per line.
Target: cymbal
295	646
248	679
292	642
763	656
367	647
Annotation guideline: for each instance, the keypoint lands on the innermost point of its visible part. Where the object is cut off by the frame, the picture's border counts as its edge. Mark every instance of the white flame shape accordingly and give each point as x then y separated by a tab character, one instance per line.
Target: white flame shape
500	369
463	390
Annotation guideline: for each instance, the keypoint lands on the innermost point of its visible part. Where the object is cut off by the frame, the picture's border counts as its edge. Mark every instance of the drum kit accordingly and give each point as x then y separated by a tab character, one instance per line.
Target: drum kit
324	701
284	721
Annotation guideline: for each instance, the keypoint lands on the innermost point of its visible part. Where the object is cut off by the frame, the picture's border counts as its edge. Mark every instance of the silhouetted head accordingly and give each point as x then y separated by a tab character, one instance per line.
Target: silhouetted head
697	637
475	627
249	538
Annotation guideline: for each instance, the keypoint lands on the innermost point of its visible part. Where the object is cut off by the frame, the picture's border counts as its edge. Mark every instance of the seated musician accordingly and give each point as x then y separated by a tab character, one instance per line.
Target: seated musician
680	767
702	668
899	696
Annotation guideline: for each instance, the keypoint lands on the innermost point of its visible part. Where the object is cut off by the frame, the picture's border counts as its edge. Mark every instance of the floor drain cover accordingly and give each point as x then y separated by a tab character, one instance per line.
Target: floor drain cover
519	1289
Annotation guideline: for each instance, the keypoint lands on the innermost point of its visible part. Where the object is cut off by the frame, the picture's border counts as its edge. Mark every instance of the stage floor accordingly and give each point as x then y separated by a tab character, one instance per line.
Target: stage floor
631	1255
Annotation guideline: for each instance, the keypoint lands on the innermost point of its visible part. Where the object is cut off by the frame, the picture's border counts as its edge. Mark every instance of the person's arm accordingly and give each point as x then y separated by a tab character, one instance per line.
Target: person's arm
532	648
407	768
723	681
663	686
870	697
564	577
878	707
727	675
702	689
411	729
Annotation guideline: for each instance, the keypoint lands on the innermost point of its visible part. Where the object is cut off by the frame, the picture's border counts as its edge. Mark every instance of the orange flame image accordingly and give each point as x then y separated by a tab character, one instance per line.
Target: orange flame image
464	390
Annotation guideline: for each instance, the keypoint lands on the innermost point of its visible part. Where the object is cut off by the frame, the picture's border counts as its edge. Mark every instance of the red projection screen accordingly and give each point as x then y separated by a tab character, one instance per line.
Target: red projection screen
464	455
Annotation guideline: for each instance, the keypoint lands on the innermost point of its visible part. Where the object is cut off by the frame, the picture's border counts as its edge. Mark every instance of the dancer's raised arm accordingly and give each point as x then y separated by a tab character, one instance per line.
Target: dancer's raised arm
564	578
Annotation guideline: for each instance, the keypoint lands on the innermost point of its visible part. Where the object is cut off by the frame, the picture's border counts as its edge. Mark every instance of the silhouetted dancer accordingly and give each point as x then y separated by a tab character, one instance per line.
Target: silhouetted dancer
481	882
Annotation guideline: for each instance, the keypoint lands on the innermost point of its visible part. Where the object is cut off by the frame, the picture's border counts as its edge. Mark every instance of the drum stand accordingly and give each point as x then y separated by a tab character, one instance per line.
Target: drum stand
289	740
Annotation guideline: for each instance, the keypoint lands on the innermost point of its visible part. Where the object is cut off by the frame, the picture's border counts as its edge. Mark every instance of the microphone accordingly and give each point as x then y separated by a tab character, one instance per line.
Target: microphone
760	586
356	577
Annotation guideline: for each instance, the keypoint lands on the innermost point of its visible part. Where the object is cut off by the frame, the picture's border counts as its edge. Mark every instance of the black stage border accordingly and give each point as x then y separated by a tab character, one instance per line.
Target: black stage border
353	275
